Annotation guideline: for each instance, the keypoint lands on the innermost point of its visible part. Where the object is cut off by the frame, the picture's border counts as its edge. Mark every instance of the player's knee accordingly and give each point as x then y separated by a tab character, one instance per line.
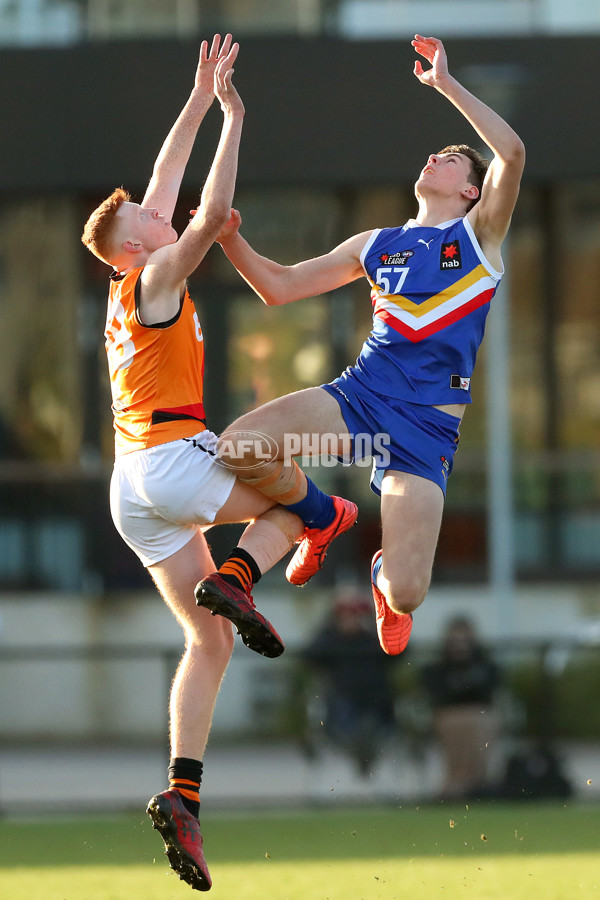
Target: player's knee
220	644
215	641
239	450
407	593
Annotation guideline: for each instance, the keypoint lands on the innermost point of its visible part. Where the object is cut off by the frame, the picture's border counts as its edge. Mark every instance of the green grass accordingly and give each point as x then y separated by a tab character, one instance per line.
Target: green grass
482	852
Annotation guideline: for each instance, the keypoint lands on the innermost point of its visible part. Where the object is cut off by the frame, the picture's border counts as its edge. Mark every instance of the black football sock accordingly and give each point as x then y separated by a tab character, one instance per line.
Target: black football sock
240	570
185	776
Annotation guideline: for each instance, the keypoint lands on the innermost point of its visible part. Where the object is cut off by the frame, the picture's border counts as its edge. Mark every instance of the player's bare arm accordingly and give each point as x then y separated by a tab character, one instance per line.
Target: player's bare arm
490	217
163	189
167	268
276	284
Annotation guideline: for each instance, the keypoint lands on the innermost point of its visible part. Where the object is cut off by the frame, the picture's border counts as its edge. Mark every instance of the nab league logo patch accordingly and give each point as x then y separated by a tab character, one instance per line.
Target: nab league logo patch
445	466
450	257
396	259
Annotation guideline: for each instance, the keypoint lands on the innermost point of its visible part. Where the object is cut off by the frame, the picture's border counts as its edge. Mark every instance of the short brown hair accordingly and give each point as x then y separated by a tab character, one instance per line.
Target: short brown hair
479	165
98	229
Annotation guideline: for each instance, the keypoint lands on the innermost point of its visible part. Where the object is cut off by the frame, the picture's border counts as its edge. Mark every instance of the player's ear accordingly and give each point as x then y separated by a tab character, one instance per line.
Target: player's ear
471	192
132	246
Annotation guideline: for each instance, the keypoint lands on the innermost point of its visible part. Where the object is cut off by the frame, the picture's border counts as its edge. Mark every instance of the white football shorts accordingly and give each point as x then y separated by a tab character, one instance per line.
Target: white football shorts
160	496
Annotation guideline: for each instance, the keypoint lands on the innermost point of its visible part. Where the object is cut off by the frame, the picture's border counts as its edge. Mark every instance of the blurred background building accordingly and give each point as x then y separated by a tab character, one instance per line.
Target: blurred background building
336	131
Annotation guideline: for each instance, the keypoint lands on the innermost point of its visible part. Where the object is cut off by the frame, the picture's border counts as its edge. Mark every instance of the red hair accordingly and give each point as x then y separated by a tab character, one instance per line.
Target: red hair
99	228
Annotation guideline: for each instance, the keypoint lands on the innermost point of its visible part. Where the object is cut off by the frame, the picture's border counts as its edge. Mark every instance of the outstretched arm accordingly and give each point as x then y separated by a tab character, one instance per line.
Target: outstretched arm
276	284
169	266
490	217
163	189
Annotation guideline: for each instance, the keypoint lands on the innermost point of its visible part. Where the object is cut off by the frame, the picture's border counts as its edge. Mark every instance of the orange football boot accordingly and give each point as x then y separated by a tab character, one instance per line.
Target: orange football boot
311	553
393	629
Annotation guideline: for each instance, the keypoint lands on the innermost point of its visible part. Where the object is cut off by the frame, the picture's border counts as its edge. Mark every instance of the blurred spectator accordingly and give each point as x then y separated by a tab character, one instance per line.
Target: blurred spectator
357	700
10	444
535	771
461	685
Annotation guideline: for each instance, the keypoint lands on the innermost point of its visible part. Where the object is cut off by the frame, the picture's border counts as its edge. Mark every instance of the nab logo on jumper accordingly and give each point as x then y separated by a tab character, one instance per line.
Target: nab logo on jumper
450	257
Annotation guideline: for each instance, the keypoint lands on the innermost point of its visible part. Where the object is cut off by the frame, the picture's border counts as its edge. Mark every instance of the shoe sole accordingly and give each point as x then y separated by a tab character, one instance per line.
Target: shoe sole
341	529
253	633
180	862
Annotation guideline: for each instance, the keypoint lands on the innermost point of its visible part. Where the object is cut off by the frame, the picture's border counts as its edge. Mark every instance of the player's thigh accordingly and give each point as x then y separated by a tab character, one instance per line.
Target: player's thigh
243	504
411	515
177	576
308	412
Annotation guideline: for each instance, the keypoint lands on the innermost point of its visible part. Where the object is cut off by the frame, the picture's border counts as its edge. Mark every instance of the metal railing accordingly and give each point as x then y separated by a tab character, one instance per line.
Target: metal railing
118	693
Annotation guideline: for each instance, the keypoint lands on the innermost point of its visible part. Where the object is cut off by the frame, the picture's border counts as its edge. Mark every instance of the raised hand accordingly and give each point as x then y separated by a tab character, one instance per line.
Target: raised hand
224	89
432	50
205	73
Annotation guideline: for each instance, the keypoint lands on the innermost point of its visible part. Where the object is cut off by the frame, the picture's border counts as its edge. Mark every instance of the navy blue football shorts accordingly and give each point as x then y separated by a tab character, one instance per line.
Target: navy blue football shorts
403	436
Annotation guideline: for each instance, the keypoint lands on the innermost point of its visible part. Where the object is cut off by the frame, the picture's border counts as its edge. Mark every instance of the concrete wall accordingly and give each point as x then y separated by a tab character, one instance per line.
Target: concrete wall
54	682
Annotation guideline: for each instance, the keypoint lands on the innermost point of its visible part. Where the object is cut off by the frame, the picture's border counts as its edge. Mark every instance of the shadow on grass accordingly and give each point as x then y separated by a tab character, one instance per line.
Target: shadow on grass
403	832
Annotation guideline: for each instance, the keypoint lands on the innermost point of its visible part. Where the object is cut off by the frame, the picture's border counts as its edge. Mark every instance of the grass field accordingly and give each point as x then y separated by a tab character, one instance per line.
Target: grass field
483	852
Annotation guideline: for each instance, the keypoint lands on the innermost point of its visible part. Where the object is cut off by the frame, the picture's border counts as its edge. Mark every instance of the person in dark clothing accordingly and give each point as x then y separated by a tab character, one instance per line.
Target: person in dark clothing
357	691
461	685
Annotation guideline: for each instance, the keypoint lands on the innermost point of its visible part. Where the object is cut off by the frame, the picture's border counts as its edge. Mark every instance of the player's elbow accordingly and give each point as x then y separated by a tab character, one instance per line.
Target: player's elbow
272	298
276	289
215	217
515	153
279	295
